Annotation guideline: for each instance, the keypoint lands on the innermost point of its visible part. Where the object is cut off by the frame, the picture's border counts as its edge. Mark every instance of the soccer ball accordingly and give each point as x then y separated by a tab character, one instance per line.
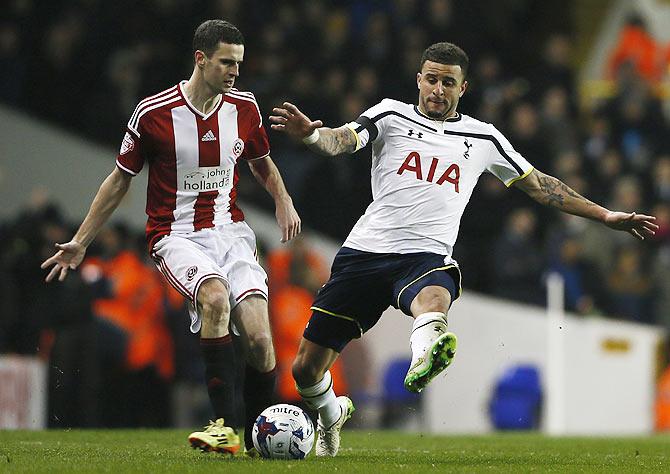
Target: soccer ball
283	432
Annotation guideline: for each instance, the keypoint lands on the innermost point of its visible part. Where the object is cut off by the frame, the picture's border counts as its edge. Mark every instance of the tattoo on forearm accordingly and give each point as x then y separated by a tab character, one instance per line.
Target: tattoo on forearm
335	141
555	192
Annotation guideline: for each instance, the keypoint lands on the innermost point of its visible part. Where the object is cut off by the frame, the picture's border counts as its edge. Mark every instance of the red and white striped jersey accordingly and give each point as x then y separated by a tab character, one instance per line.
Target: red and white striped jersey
192	158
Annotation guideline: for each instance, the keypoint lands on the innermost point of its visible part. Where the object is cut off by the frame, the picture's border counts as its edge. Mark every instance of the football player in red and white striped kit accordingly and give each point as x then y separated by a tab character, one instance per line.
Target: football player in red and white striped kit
192	136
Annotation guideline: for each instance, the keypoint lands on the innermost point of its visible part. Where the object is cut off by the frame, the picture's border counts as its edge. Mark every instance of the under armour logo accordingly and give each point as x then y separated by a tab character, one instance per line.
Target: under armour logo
468	145
438	329
412	132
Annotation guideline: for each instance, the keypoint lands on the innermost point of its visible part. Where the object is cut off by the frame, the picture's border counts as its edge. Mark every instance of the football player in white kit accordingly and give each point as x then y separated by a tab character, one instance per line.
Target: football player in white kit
426	160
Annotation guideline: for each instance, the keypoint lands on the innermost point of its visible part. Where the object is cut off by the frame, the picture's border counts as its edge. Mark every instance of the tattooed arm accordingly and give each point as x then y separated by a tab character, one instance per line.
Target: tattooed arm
326	141
553	192
334	141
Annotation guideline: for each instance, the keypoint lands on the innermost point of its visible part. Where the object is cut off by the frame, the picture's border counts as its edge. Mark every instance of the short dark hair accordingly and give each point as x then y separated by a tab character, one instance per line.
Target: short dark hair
446	53
212	32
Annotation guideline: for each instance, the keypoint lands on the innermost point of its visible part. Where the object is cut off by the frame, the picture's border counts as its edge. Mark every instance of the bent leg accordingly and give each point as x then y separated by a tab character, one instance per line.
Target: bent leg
431	299
312	362
433	347
315	385
260	377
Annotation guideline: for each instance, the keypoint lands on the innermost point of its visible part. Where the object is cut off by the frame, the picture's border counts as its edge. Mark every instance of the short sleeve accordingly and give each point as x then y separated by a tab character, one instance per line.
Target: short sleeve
130	158
256	143
370	124
504	161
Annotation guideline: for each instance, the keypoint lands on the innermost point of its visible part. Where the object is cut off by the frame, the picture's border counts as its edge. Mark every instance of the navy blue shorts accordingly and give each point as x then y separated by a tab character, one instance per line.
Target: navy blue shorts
363	284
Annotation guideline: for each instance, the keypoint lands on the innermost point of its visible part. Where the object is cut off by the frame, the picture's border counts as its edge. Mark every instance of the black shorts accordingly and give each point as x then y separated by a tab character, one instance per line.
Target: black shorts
363	284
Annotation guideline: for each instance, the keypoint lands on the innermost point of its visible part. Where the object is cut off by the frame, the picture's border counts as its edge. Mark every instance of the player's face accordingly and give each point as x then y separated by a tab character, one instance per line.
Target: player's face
222	67
440	88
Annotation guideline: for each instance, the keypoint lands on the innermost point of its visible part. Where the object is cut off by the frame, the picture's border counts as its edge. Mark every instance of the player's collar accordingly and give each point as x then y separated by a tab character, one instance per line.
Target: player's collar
450	119
194	109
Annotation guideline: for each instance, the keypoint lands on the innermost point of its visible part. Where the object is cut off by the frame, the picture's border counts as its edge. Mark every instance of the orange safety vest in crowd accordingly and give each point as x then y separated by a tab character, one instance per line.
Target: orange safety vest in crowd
289	313
136	306
279	267
663	402
638	47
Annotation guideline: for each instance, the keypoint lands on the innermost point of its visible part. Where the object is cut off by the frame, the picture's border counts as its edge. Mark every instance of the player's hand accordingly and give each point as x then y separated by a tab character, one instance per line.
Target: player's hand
290	120
288	220
68	257
639	225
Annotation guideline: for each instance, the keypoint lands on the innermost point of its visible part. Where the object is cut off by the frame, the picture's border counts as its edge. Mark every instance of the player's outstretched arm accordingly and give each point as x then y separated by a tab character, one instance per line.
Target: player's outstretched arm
553	192
323	140
71	254
266	173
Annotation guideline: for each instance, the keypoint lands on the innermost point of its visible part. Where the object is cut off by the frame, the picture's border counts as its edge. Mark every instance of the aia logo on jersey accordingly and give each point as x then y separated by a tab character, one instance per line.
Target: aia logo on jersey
238	147
127	144
412	164
190	273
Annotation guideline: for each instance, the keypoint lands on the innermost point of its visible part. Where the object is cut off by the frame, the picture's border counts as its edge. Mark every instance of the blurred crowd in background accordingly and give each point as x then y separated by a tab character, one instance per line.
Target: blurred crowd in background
84	65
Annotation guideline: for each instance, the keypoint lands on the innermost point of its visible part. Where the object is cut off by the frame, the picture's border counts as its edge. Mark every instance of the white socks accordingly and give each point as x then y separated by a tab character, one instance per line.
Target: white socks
427	327
321	397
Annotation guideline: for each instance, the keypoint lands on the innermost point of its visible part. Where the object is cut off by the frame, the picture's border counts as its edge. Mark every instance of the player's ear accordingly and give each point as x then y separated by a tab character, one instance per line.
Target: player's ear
464	86
418	80
200	59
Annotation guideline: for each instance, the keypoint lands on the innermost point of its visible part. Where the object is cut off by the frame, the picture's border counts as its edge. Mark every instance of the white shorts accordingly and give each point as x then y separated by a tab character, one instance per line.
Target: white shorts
226	252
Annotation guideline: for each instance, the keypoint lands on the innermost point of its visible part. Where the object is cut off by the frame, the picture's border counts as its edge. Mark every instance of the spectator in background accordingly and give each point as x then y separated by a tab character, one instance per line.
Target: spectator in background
630	287
661	266
518	259
567	165
60	68
557	123
297	263
555	71
637	120
133	311
494	92
54	324
524	132
580	278
597	138
476	252
660	177
600	247
637	47
68	341
603	173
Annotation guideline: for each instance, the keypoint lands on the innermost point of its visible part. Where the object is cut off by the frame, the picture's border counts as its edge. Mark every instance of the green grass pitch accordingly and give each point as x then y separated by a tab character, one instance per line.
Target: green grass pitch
162	451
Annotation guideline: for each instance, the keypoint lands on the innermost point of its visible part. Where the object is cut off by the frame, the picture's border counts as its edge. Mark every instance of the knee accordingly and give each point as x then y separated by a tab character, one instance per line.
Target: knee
306	373
261	351
214	304
433	299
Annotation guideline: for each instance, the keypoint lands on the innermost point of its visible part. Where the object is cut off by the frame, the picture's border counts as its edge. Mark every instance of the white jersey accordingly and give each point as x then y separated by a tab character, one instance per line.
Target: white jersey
423	174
